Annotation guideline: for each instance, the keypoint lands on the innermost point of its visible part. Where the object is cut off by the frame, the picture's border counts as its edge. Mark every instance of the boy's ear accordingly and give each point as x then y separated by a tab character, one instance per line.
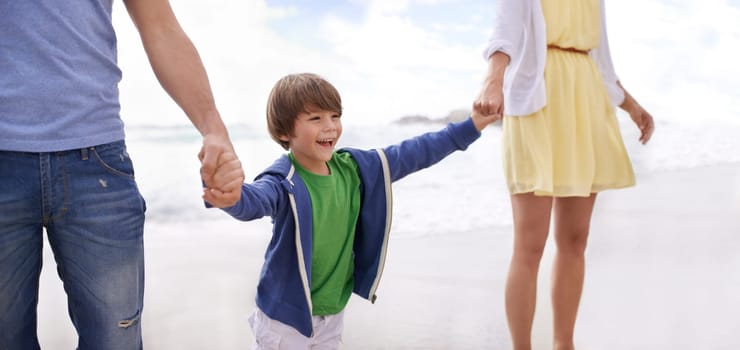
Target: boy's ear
284	138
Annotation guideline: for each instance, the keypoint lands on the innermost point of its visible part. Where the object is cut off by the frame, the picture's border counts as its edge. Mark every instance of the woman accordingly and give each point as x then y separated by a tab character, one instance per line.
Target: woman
551	74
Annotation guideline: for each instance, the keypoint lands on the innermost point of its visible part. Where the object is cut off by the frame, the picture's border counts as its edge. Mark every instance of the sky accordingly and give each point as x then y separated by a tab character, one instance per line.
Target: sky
393	58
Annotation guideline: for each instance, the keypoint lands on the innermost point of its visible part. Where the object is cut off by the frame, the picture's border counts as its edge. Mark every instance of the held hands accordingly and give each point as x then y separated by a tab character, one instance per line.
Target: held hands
489	106
221	171
480	119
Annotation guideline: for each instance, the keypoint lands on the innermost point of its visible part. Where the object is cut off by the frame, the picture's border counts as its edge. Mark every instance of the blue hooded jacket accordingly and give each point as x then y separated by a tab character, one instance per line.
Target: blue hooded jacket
284	291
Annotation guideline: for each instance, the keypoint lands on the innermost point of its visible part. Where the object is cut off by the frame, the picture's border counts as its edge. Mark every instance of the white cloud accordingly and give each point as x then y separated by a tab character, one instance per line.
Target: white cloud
403	68
384	42
242	55
389	7
678	58
282	12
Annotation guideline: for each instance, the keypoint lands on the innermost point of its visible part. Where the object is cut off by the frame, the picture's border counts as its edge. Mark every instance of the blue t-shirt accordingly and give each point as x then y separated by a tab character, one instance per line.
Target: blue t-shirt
58	75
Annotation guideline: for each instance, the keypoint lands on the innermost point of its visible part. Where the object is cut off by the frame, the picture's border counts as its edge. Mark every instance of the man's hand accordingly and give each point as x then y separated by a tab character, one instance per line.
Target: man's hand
221	171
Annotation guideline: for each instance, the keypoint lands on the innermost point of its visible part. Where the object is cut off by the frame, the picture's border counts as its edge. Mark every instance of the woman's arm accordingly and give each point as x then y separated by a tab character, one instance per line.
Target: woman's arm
490	101
639	115
617	93
503	47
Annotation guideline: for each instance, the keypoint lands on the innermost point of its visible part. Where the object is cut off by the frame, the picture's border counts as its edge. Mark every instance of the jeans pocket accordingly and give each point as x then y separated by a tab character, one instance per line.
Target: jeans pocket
114	159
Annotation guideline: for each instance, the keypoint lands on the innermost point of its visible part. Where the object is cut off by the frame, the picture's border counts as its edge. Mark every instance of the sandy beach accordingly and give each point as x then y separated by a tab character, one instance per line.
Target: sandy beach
662	273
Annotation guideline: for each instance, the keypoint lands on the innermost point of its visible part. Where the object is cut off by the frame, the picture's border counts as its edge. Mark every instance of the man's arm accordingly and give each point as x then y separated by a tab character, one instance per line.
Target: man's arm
178	67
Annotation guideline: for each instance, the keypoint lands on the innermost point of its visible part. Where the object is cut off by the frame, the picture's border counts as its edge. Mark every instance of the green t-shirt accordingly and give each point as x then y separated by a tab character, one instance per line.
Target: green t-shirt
335	202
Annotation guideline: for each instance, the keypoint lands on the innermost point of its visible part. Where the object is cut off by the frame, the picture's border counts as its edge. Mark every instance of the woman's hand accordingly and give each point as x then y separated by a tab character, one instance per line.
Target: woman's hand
488	107
639	115
481	119
490	101
644	122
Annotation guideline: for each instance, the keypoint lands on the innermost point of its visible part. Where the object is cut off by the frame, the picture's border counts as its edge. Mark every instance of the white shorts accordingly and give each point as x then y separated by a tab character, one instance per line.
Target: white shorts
271	334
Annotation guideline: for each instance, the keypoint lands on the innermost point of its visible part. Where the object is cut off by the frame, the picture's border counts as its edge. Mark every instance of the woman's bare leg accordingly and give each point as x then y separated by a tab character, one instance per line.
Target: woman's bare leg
572	221
531	226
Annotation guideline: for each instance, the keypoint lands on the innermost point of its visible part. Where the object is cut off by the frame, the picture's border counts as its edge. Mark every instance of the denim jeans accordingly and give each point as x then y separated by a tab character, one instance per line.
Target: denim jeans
93	213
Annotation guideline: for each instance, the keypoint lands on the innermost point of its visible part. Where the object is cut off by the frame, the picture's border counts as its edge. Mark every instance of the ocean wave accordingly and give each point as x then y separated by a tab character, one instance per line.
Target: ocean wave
464	191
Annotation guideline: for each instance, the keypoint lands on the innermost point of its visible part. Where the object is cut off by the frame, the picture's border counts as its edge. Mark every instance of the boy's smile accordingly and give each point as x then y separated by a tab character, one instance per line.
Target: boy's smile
315	134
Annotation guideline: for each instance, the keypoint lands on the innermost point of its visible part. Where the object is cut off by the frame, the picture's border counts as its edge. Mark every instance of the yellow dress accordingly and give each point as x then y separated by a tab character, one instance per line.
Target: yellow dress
573	146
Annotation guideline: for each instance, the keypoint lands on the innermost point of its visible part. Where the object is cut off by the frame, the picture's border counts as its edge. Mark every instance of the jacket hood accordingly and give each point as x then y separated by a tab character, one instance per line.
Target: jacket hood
280	167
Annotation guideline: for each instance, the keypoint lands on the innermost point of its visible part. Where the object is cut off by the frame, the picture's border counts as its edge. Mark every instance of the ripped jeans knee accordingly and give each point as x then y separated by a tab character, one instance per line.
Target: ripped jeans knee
130	322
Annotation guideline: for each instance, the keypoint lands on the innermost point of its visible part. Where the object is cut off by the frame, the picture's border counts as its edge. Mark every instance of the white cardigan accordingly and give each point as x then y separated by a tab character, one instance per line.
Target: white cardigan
519	31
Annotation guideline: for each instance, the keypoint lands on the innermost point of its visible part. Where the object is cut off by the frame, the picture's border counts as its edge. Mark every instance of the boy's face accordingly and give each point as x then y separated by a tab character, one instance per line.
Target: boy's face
315	135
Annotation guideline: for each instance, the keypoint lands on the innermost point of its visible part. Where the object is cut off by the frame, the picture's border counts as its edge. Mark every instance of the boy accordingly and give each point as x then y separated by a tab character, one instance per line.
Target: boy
331	212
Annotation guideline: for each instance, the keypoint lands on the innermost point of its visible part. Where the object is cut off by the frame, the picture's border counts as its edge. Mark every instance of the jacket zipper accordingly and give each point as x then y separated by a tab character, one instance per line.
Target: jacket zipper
388	219
299	246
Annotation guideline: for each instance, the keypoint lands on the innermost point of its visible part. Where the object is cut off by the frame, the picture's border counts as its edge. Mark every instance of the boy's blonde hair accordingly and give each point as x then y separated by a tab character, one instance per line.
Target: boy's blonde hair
298	93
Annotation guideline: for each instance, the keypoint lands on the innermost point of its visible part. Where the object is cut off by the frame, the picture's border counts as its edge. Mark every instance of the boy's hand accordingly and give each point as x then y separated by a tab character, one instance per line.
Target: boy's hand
229	174
482	119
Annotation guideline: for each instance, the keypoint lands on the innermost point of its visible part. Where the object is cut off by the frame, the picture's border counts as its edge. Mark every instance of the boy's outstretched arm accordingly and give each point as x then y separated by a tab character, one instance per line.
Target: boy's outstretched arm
428	149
